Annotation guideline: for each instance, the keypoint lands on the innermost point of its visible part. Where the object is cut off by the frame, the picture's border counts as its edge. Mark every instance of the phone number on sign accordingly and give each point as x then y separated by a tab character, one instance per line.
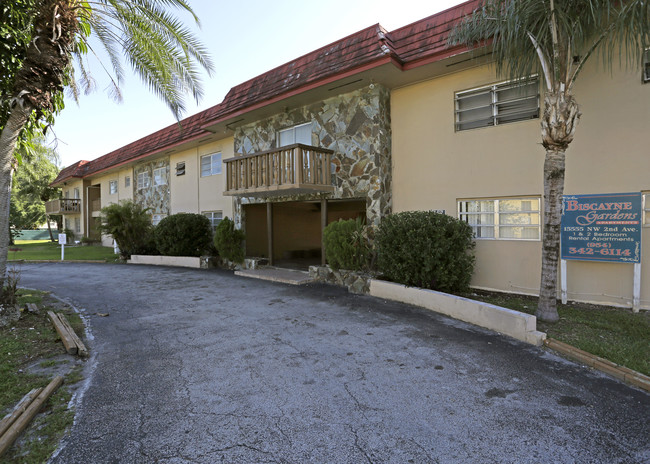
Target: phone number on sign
602	249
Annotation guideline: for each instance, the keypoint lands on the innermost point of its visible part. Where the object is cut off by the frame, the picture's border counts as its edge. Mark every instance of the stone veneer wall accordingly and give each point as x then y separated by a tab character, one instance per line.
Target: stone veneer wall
157	198
356	125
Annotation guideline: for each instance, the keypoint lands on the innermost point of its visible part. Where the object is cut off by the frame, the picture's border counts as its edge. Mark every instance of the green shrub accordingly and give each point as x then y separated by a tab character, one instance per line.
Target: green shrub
130	226
426	249
183	234
228	241
347	245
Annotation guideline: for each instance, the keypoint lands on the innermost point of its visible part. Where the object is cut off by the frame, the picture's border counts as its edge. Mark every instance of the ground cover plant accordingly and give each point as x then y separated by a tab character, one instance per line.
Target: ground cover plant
46	250
616	334
28	351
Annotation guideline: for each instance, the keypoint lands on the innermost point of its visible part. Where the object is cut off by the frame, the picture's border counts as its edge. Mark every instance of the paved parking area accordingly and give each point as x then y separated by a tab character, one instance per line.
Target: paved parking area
204	366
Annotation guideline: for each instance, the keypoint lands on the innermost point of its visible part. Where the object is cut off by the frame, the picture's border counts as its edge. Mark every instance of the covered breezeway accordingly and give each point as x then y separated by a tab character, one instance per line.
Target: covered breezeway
289	234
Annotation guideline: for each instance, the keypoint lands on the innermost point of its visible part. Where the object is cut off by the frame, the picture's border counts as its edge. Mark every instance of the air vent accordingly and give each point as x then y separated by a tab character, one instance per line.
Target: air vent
180	168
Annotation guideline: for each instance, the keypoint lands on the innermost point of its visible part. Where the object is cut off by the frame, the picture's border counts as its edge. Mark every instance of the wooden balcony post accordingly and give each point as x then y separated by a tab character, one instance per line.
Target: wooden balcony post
269	230
298	167
323	224
328	169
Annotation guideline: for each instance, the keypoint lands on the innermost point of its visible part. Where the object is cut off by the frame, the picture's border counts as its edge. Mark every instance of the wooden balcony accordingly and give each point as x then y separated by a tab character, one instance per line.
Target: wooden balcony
283	171
63	206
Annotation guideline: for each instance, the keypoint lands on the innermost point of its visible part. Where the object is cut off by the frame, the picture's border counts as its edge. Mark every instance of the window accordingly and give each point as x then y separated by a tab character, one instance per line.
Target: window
295	134
112	187
497	104
180	168
156	218
646	66
143	180
127	181
645	201
502	219
211	164
159	177
215	217
67	224
75	193
77	225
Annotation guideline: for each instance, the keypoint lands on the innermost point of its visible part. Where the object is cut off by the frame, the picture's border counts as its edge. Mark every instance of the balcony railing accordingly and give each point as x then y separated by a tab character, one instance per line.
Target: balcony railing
63	206
292	169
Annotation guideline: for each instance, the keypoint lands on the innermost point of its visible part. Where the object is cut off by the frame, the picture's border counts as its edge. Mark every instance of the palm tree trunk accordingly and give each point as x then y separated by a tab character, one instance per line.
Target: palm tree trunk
559	121
553	191
15	124
40	77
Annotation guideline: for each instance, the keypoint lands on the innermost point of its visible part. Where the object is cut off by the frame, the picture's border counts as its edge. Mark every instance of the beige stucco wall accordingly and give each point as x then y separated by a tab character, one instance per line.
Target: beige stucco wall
123	193
434	166
192	193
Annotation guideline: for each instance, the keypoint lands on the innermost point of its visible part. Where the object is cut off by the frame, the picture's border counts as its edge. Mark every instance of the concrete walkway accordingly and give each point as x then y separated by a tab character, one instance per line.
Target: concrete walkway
204	366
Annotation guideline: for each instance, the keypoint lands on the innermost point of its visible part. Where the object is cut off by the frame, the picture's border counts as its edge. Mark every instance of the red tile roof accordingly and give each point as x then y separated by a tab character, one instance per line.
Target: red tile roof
77	169
356	50
427	38
410	46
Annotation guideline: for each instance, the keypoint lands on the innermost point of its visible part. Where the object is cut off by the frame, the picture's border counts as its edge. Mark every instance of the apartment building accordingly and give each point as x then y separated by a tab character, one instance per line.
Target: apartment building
380	122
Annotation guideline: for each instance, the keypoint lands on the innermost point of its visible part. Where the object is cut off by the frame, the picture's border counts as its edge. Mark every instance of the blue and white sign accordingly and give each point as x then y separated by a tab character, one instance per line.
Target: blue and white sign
603	227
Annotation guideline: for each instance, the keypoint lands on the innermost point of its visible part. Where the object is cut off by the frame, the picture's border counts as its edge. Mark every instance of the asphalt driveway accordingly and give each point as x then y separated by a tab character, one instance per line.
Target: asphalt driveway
205	367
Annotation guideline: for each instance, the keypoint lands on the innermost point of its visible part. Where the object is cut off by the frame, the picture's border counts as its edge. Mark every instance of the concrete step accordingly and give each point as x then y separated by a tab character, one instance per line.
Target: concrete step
274	274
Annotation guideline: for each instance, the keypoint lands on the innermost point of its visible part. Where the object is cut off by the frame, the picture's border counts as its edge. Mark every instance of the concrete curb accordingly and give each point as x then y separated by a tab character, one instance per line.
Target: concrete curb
619	372
502	320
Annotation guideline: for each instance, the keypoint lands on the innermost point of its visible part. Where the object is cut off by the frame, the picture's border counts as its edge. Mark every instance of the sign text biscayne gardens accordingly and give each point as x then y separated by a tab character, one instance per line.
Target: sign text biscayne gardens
602	227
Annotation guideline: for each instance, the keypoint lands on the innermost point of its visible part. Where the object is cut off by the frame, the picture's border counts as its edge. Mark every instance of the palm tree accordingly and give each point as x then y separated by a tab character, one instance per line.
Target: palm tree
556	39
154	42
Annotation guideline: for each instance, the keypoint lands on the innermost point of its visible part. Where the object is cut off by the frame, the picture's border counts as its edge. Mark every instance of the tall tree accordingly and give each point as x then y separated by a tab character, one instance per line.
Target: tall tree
153	41
555	38
31	186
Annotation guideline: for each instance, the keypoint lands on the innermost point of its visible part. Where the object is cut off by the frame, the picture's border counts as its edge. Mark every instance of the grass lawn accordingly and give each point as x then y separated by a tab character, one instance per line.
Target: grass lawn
616	334
46	250
27	348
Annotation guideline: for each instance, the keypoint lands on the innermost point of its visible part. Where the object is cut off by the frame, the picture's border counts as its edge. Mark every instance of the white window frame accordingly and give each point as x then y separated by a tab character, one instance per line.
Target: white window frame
127	181
112	187
159	176
213	165
215	217
144	180
77	225
645	207
75	193
464	215
292	132
157	217
494	91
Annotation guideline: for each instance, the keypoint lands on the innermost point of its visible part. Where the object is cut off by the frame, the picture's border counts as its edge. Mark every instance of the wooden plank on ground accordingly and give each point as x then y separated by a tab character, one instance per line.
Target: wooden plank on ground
21	422
66	338
10	418
81	348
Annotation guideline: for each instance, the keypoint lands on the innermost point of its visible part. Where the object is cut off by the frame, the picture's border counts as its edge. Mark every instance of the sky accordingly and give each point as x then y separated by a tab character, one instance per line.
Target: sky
245	38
